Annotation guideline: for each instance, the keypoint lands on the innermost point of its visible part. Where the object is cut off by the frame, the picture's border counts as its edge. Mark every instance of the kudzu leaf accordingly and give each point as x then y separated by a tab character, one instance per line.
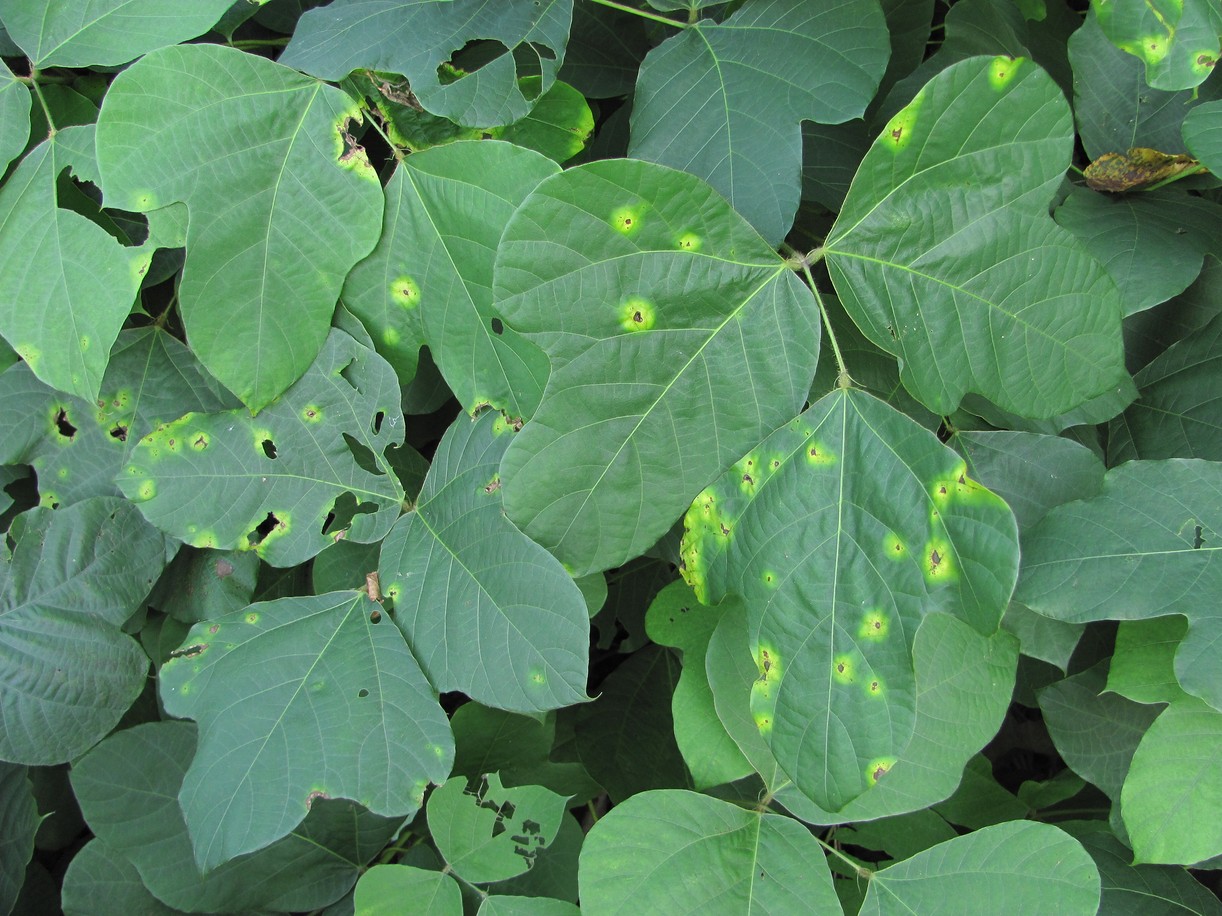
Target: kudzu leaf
1136	169
261	280
1177	41
1147	546
309	469
625	266
558	125
67	672
297	700
945	256
1179	412
486	610
66	286
78	447
419	40
429	279
488	832
500	905
1173	779
101	882
1142	668
554	874
18	824
14	116
1202	133
105	32
842	531
383	890
312	866
605	49
739	90
1017	867
642	856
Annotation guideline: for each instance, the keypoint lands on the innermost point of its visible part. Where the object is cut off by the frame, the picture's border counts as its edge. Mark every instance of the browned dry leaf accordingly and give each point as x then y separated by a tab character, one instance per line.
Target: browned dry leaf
1137	168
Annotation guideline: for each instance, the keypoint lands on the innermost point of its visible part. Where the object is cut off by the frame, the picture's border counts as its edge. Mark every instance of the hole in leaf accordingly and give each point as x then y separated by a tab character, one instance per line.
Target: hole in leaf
362	693
363	455
377	421
269	448
65	428
119	432
473	56
348	374
375	617
265	527
343	511
498	326
1198	541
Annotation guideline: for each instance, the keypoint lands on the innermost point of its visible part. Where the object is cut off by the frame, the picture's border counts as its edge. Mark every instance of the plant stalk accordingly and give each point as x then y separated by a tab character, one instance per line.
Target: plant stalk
644	14
858	868
843	379
32	79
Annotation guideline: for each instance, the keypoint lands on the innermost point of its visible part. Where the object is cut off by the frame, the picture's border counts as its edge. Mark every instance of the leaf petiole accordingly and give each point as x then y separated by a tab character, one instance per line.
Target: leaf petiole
32	79
858	868
843	379
644	14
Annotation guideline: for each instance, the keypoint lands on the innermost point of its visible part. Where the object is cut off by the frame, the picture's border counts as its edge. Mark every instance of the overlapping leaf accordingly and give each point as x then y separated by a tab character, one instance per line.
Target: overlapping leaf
78	447
67	672
1177	40
1202	131
297	700
18	823
842	531
307	470
486	610
104	32
419	38
101	882
282	203
945	256
14	116
725	101
1150	544
429	280
65	284
383	889
677	339
309	868
1141	890
1018	867
643	855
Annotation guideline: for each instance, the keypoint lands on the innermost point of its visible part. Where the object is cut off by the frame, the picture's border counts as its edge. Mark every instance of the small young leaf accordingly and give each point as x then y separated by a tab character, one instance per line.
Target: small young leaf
384	889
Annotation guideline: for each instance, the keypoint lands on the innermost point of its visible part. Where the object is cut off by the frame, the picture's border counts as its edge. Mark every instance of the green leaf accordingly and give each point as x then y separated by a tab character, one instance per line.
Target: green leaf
558	126
260	282
309	469
202	584
1115	109
383	890
858	505
67	672
18	824
488	832
526	906
963	687
1179	413
980	800
318	862
105	32
429	280
78	447
1153	244
554	874
65	285
643	855
724	101
605	49
722	338
1018	867
1143	662
675	618
1141	890
343	711
1173	779
937	285
101	882
487	610
416	38
1177	40
1202	133
14	117
1147	546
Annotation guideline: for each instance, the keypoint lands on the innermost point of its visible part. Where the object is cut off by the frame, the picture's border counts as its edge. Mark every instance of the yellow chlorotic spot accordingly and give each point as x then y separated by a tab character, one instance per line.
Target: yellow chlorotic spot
146	491
312	413
874	687
874	625
1154	48
32	355
84	343
818	454
769	578
537	677
144	200
877	768
500	425
1002	71
390	337
769	664
139	266
438	751
317	685
898	132
200	442
62	473
204	539
637	314
626	220
763	724
1204	61
252	617
937	561
689	241
843	669
48	498
406	292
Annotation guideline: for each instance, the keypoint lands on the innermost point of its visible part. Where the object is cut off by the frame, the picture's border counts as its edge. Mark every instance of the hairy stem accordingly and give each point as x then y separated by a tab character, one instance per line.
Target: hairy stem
644	14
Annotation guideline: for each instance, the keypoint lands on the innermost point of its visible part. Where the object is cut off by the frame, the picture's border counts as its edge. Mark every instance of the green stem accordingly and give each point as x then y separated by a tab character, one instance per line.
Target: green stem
259	43
46	110
644	14
858	868
843	379
372	118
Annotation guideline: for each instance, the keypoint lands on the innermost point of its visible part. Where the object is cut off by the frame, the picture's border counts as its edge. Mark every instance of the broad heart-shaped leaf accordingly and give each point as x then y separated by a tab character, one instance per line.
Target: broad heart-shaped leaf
384	889
725	101
67	672
65	284
1202	131
300	699
105	32
487	832
18	824
485	609
1017	867
1177	40
286	484
432	269
261	279
677	339
101	882
945	256
1172	782
78	447
128	788
841	532
418	38
14	116
670	849
1149	545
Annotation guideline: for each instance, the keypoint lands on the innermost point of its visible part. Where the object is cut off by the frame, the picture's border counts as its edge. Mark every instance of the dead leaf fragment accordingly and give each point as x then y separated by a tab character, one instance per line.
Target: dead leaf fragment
1117	172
